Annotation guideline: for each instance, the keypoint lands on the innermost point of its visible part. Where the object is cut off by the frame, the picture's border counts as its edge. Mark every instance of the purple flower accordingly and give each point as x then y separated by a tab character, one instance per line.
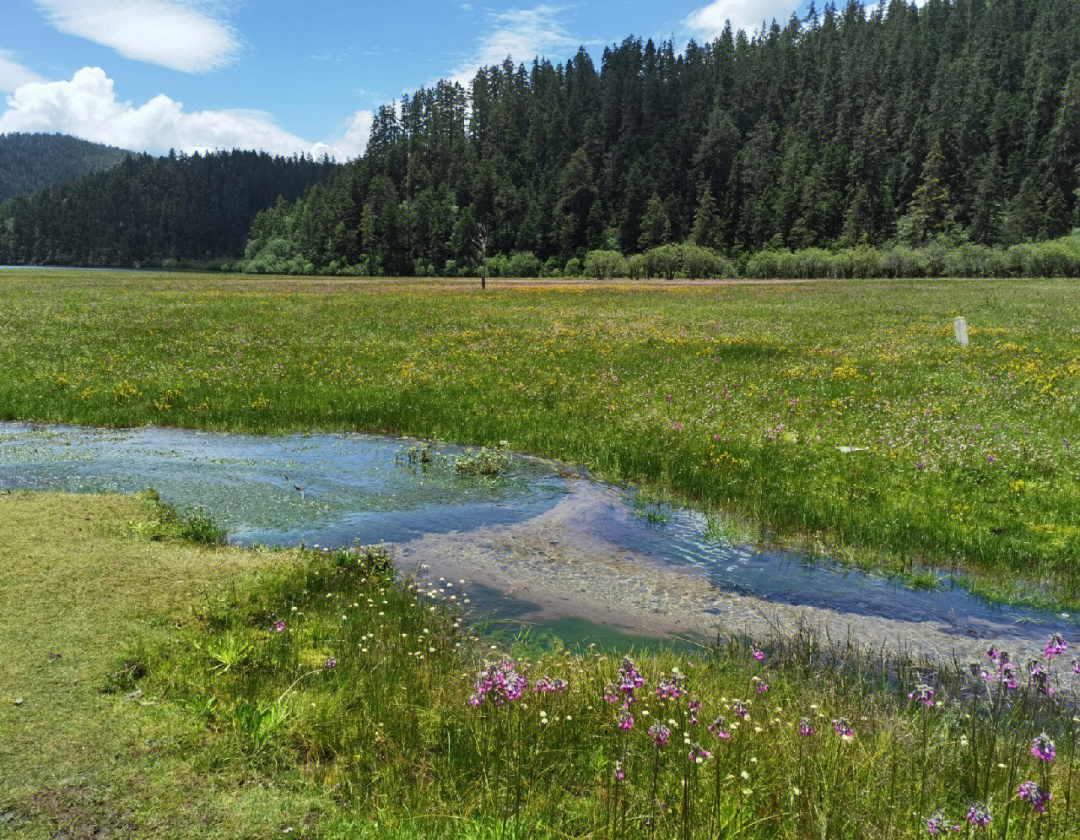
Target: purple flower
626	721
1043	748
611	693
629	680
758	655
843	728
762	688
740	709
938	823
1034	793
279	627
1056	646
698	754
994	653
923	694
1076	666
546	685
670	689
659	734
979	815
805	728
1040	679
619	774
718	728
330	663
499	683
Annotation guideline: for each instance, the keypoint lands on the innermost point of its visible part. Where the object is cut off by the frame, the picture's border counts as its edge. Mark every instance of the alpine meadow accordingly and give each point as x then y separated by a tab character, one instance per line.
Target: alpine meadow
678	439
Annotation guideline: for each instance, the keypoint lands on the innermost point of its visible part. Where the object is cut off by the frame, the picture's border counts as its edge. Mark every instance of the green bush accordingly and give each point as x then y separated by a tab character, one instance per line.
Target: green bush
523	264
604	265
662	262
698	262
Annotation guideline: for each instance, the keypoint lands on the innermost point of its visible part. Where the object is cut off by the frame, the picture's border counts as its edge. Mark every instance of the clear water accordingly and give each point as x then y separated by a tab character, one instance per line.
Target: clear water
356	488
326	490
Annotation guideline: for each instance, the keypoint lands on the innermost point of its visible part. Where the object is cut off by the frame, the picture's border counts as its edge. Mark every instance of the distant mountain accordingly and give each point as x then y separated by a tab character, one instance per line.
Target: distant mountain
30	162
170	211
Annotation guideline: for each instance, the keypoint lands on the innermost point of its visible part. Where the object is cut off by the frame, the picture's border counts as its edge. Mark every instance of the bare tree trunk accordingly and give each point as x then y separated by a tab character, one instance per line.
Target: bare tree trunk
481	242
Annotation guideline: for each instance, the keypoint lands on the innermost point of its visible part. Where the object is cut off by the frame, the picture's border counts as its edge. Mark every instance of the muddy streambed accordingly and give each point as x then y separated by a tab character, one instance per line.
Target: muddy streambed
537	545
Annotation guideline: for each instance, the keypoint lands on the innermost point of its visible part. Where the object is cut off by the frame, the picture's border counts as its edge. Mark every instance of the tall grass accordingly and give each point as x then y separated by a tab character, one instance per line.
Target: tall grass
380	696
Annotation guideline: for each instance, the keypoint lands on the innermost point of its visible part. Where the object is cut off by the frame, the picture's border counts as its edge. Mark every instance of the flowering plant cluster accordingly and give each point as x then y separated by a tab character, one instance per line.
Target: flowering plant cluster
1033	793
498	683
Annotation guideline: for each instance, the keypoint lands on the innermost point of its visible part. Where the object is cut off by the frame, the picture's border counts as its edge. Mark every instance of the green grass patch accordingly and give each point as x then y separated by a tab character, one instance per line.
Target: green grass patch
385	702
174	689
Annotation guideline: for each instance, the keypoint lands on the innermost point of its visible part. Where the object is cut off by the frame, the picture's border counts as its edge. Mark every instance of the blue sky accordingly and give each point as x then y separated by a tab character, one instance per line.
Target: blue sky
288	76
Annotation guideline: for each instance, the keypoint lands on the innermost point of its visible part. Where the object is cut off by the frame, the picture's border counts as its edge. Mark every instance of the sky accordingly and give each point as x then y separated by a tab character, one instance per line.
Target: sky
291	77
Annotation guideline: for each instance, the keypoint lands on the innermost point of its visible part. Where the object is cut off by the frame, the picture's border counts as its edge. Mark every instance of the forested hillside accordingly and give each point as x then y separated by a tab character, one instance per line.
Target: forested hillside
30	162
165	211
958	121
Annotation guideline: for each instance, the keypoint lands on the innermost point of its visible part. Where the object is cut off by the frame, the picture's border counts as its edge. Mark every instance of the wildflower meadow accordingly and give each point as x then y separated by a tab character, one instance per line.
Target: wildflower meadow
326	694
385	698
840	417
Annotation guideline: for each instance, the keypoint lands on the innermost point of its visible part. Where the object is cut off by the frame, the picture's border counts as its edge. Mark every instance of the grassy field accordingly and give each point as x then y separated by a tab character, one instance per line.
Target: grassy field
83	580
742	398
159	688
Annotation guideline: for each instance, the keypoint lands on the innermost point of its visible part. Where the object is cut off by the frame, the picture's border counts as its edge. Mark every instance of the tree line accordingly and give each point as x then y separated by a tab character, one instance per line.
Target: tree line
31	162
170	211
957	122
953	126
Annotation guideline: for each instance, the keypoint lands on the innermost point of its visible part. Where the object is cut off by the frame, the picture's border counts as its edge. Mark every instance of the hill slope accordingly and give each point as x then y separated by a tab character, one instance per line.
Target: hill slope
955	119
151	211
30	162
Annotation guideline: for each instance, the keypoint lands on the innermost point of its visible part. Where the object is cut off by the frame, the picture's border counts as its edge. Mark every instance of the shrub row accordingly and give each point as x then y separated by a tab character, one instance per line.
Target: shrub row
1053	258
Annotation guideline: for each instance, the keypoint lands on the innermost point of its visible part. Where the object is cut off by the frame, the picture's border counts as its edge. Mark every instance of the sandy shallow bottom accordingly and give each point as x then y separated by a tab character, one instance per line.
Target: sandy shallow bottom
560	569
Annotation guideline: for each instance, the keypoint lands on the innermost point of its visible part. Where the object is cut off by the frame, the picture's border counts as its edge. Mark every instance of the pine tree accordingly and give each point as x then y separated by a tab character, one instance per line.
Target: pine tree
655	225
930	208
706	230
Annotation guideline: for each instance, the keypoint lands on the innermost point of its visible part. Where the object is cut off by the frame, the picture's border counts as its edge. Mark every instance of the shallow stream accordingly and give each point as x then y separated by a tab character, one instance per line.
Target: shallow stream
538	544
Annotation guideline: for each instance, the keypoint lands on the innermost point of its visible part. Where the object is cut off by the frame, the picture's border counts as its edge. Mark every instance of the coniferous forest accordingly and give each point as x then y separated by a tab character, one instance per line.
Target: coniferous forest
958	121
31	162
147	211
885	132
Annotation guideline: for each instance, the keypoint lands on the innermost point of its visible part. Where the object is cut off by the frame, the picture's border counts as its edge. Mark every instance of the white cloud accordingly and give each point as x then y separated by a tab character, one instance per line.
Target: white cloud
87	107
520	33
13	74
353	139
184	35
709	21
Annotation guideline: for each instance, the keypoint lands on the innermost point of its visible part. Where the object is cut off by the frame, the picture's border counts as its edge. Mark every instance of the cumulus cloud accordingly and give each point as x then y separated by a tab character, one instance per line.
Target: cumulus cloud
13	74
352	140
520	33
709	21
184	35
87	107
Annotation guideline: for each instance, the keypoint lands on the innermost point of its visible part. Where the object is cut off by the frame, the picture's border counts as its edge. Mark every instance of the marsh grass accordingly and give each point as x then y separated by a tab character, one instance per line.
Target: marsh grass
737	398
390	705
